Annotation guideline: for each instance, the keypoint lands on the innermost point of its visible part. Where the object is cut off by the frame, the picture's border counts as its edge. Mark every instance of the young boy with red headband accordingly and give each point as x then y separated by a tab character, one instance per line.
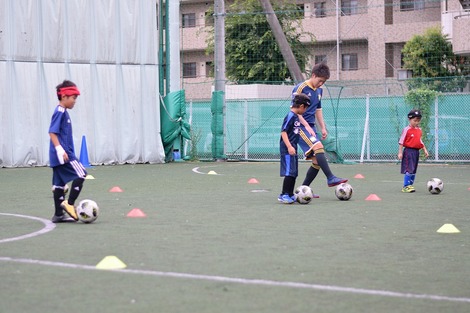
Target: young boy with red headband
65	165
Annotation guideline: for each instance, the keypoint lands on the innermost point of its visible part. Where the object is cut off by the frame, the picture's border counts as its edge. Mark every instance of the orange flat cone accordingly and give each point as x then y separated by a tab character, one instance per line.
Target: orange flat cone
373	197
136	213
360	176
253	181
115	189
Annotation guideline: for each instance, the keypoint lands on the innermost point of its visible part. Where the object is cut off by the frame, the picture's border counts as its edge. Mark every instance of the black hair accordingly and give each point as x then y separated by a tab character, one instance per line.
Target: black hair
321	70
299	99
65	83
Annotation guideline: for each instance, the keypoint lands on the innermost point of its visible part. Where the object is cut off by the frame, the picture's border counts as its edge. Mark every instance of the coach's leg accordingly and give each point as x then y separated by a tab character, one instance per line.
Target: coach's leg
312	173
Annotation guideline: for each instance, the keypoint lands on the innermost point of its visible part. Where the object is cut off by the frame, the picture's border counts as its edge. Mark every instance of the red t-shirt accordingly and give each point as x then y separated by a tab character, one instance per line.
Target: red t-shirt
411	138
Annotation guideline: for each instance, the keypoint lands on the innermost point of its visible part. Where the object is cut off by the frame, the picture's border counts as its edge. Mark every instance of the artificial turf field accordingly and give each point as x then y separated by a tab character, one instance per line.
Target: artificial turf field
216	243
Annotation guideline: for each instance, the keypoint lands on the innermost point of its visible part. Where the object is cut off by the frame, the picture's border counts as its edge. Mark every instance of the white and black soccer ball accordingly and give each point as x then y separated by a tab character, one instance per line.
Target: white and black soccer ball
87	211
435	186
344	191
303	194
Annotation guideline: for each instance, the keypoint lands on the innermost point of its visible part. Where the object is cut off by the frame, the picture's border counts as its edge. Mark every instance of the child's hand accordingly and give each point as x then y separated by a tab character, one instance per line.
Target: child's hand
61	154
400	155
426	154
291	150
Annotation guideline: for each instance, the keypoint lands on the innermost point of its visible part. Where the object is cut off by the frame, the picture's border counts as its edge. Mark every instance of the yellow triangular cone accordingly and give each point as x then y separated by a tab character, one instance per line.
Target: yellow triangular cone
89	177
110	263
448	229
212	173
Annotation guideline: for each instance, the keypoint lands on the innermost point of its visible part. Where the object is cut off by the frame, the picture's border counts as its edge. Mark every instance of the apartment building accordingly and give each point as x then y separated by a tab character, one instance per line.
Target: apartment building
361	42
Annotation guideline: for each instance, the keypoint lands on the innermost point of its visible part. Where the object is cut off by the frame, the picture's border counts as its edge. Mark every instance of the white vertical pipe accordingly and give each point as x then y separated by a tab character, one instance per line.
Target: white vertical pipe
337	40
173	46
245	119
365	136
436	129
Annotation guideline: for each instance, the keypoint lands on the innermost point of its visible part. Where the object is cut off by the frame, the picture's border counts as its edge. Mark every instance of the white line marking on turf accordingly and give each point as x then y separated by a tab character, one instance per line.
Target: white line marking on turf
234	280
47	228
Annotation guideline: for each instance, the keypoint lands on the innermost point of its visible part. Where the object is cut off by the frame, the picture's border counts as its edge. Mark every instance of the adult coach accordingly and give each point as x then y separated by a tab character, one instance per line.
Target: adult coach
309	142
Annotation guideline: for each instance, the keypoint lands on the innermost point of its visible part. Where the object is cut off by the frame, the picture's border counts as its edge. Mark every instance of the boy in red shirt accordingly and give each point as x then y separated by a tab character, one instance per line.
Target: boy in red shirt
408	150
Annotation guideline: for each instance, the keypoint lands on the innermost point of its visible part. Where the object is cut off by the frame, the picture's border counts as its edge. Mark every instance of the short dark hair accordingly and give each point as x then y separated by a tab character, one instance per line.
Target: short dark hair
299	99
321	70
65	83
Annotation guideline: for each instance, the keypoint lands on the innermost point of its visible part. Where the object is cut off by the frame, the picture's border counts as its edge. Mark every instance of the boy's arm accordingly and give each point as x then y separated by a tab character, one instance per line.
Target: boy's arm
306	125
426	154
321	122
61	154
400	151
286	141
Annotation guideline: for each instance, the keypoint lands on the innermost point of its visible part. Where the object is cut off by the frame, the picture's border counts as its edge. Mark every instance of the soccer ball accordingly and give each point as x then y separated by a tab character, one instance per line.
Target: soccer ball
435	186
66	189
344	191
303	194
87	211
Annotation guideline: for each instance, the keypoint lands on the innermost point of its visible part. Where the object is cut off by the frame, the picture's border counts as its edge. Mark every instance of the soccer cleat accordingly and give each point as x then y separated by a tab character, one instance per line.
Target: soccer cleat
285	199
62	219
408	189
315	196
69	209
334	181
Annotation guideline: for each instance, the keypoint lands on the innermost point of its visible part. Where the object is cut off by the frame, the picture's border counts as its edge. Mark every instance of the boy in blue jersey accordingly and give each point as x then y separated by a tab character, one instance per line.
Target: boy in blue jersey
64	163
288	147
310	144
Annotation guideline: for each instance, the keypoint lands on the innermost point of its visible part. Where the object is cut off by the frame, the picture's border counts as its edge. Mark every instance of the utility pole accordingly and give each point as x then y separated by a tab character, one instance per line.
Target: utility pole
281	40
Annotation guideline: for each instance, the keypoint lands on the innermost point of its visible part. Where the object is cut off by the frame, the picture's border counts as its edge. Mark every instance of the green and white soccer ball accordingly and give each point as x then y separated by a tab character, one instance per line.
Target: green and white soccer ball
87	211
344	191
303	194
435	186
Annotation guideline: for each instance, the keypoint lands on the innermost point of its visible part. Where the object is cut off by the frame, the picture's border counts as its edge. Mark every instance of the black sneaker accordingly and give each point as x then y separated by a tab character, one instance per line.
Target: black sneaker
62	219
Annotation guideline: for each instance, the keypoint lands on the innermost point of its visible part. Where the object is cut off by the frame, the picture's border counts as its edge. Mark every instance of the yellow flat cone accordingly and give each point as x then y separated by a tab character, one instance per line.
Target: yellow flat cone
212	173
448	229
89	177
110	263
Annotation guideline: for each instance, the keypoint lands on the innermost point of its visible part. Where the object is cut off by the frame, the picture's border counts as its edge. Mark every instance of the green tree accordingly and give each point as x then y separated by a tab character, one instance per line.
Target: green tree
433	62
251	51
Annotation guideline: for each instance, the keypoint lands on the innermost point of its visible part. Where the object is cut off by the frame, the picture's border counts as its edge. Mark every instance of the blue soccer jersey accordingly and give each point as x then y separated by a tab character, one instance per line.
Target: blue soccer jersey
315	95
61	125
291	126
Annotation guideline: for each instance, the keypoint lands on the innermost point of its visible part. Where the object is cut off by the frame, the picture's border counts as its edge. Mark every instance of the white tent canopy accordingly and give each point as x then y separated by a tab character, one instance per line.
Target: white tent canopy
109	49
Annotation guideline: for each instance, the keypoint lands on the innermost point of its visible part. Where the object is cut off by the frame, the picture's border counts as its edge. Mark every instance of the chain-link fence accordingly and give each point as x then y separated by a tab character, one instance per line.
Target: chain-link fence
360	128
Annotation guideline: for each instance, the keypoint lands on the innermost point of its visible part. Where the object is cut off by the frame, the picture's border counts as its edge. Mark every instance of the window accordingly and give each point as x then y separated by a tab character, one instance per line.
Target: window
209	18
189	69
210	69
411	5
189	20
320	9
348	7
320	59
349	62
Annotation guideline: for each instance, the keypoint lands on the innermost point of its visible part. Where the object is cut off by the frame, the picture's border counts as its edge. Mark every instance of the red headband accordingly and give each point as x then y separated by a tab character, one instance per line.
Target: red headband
69	91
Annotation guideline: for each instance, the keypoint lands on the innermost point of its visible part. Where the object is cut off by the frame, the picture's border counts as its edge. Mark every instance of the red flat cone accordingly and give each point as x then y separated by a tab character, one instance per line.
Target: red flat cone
373	197
115	189
136	213
359	176
253	181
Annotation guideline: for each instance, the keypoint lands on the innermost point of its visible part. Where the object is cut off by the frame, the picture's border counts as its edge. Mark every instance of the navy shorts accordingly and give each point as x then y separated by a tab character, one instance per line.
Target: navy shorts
289	165
306	143
409	162
69	171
